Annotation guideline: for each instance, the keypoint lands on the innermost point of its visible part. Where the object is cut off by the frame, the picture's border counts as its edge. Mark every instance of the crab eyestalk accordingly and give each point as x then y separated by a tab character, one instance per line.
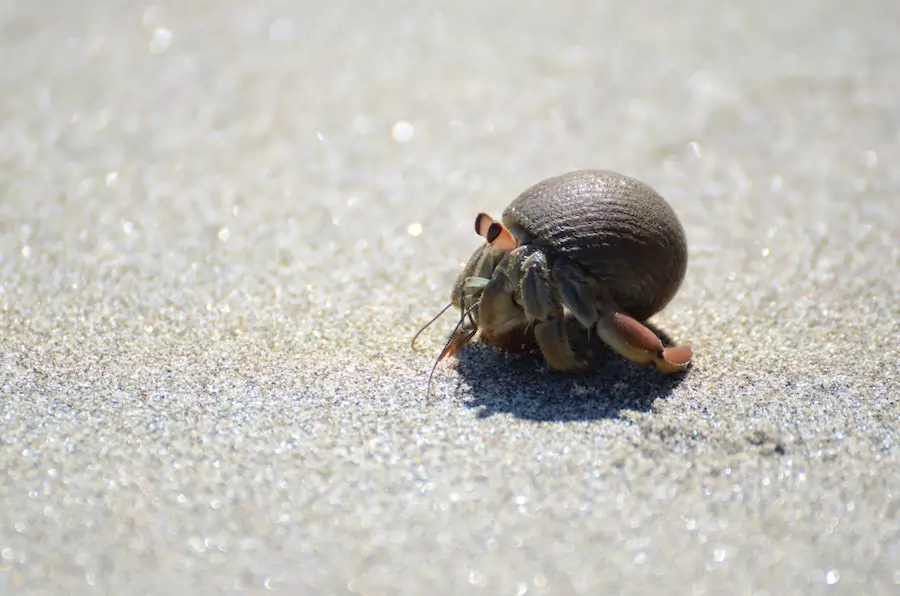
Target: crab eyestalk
496	234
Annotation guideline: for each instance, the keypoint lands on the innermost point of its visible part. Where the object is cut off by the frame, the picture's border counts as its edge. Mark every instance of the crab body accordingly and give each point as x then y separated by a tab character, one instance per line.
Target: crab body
599	245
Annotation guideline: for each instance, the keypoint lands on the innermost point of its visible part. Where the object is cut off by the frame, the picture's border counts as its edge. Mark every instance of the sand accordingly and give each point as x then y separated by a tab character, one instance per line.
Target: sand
222	222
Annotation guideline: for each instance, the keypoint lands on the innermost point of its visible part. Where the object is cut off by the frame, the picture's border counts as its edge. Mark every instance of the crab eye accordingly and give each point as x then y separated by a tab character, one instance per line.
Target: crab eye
483	223
492	232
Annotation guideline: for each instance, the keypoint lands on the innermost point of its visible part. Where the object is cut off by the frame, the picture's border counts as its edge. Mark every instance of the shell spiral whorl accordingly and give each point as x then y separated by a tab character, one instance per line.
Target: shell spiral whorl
620	230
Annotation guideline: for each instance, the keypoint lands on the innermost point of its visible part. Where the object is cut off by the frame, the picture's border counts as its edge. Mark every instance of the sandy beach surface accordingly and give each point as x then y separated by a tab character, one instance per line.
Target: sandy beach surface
221	223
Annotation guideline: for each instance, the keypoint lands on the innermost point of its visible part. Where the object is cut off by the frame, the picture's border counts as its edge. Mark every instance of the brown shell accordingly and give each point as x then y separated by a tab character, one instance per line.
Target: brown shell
621	231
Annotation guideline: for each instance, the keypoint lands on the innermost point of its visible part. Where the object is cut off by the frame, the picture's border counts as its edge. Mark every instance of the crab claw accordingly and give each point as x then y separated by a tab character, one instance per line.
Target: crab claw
457	342
495	232
460	338
636	342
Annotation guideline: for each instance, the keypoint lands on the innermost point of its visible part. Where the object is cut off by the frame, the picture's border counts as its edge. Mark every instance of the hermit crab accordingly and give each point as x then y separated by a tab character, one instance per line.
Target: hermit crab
595	245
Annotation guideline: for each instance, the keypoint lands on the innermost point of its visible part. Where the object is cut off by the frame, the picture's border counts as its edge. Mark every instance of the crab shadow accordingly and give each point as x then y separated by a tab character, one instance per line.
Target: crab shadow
524	386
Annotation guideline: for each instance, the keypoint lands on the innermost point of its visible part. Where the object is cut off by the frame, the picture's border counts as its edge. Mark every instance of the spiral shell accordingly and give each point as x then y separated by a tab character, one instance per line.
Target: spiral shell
618	229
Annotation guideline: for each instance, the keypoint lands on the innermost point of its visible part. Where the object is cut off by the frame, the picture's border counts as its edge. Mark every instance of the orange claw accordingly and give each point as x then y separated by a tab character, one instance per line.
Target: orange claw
635	334
675	359
635	341
456	343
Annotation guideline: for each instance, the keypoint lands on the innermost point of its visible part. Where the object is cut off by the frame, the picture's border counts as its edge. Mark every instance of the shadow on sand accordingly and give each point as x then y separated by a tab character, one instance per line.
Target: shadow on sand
523	385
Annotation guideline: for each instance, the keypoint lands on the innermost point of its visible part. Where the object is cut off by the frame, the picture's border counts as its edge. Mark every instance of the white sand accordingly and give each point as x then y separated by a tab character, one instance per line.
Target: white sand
209	276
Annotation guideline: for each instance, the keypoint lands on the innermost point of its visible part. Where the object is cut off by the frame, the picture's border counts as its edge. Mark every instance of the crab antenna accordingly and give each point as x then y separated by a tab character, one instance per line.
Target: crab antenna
428	324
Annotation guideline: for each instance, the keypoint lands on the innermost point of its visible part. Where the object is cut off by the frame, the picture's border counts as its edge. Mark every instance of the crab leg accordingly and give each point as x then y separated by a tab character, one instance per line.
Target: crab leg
554	343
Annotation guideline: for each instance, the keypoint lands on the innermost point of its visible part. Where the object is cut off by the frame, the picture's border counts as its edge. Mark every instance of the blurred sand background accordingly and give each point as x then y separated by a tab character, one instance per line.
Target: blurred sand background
222	222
